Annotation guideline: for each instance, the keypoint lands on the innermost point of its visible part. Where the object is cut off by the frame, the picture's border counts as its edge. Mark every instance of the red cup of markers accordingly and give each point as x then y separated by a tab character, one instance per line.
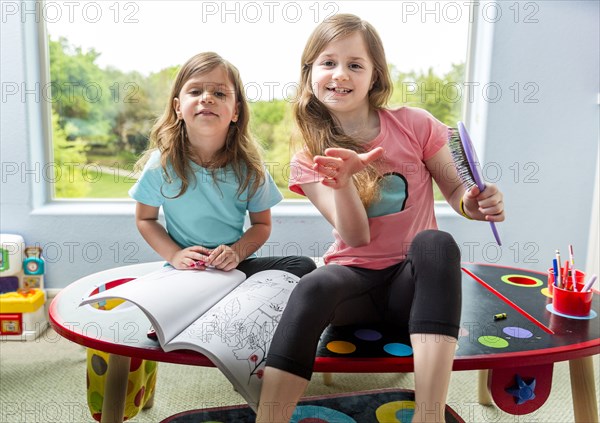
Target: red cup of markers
579	279
572	303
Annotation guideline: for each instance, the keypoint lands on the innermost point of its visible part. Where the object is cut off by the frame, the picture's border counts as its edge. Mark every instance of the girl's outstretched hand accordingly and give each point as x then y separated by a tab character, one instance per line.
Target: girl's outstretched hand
193	257
339	164
487	205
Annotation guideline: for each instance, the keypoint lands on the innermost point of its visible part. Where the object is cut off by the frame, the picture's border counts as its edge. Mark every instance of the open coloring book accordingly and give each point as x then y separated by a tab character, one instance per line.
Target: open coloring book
223	315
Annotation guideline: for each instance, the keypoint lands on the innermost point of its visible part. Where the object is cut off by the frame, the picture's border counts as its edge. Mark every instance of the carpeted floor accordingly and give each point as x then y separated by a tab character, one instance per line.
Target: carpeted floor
44	381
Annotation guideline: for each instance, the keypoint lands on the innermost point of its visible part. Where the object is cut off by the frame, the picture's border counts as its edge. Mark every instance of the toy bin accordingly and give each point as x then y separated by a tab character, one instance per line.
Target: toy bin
22	315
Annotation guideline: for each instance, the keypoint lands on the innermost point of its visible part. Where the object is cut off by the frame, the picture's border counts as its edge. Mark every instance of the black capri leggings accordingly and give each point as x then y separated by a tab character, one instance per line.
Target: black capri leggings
298	265
421	294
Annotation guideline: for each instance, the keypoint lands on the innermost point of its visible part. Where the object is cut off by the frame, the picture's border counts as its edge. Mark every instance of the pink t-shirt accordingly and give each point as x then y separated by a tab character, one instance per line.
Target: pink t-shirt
409	136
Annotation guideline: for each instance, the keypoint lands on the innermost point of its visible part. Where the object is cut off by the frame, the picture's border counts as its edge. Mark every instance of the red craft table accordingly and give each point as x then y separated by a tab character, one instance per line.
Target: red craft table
515	355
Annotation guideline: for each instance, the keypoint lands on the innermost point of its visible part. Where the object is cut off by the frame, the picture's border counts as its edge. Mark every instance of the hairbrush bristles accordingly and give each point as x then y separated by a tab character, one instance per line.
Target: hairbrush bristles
460	158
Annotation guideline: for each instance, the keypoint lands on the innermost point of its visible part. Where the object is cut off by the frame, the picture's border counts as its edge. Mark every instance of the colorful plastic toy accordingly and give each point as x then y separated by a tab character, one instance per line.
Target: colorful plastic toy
22	298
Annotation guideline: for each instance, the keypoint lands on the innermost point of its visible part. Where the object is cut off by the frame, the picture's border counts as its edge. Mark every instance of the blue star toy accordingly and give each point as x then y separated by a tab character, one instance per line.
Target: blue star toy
522	391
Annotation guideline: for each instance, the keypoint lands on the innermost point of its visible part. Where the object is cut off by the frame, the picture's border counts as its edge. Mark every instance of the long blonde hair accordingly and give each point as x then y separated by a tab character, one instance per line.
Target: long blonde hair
169	135
318	127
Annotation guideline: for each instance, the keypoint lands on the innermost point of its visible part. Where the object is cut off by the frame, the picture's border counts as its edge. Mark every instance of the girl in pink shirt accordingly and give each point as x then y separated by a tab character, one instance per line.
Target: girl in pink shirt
369	171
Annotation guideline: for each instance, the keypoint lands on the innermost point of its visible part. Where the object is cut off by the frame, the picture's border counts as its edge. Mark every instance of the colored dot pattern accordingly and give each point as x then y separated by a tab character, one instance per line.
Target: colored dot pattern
522	281
398	350
396	411
381	407
341	347
369	335
517	332
493	341
140	384
319	414
551	309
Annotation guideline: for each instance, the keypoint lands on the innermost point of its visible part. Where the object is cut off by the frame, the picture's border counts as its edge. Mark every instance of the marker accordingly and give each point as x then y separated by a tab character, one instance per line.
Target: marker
588	285
500	316
558	263
572	272
571	256
555	267
565	275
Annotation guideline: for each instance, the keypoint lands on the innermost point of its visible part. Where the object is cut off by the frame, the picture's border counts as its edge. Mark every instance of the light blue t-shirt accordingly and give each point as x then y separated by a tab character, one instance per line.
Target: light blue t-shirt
208	213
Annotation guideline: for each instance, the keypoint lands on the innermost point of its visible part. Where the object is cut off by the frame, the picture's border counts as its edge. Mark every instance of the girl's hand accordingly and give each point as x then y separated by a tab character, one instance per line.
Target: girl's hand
223	258
487	205
339	164
193	257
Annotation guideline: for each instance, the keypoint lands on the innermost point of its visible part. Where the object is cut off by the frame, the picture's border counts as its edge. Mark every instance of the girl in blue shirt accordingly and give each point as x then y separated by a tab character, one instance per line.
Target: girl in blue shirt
205	170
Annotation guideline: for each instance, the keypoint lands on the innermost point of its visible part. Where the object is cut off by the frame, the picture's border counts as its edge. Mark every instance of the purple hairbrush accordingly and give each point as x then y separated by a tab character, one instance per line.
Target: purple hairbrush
467	163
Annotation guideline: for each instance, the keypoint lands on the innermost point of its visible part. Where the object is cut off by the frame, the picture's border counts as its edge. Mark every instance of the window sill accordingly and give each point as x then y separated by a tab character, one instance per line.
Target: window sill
86	208
287	208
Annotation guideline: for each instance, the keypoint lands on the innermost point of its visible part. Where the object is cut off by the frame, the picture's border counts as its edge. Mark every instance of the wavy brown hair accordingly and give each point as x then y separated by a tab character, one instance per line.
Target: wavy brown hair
169	134
319	129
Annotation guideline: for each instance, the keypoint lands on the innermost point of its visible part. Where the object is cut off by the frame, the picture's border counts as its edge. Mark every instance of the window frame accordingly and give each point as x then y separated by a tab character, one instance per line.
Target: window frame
44	202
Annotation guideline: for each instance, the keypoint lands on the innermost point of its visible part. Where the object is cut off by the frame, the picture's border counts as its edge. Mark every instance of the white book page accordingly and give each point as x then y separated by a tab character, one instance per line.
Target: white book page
236	333
172	299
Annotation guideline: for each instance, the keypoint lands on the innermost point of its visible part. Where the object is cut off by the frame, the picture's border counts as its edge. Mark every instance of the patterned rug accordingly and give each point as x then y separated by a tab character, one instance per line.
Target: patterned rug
380	406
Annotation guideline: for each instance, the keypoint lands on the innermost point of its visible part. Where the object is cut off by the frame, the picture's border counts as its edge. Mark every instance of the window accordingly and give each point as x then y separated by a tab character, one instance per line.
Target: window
111	65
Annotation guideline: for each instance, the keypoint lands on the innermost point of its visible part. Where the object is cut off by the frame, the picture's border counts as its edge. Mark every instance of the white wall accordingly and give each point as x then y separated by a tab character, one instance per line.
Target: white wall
553	142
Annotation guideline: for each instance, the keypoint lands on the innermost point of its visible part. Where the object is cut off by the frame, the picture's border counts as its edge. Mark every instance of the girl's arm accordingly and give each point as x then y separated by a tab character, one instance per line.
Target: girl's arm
228	257
146	219
336	196
487	205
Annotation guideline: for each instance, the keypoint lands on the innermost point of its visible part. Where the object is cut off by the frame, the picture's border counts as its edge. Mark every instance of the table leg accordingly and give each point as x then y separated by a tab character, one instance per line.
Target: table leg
115	389
583	390
483	393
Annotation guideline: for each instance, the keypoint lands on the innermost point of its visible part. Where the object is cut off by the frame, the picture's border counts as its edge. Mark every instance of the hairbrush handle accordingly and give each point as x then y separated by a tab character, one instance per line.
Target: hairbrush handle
473	163
495	232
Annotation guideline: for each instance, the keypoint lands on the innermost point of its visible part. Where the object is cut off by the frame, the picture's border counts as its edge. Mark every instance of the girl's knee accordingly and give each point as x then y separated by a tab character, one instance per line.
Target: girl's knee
307	264
435	245
301	265
313	288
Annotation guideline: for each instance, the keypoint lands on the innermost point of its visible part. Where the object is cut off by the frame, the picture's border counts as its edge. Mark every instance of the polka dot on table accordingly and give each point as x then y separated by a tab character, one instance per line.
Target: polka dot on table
318	414
341	347
546	292
522	281
517	332
398	350
368	335
551	309
395	411
493	341
462	332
